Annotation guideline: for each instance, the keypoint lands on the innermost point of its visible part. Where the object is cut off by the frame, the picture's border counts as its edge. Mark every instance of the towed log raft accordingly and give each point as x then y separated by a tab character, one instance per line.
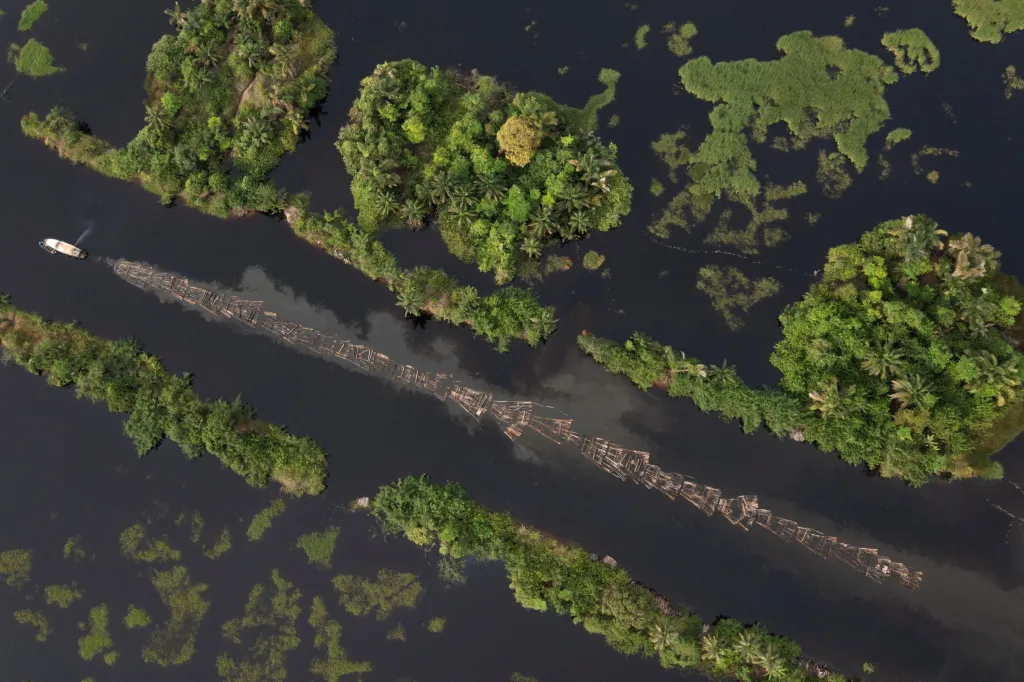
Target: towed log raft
515	417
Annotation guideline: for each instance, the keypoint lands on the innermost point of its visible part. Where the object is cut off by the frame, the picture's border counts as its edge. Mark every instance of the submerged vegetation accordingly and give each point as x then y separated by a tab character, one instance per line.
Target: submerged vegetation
32	59
336	663
506	174
991	19
913	49
137	547
173	641
228	95
16	567
1011	81
362	596
731	290
900	358
159	404
547	574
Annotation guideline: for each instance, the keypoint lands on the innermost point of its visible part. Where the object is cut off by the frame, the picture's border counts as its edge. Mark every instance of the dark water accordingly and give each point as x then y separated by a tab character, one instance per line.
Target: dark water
967	621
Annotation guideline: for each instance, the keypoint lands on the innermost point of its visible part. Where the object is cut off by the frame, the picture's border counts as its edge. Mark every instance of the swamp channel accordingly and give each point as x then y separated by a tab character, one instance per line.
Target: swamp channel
70	472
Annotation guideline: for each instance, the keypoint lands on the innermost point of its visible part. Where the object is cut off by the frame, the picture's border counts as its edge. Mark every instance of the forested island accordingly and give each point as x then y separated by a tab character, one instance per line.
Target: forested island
547	574
228	95
160	404
904	357
505	173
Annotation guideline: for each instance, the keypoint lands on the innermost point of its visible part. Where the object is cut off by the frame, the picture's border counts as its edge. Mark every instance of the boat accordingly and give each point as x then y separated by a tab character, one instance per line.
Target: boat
57	246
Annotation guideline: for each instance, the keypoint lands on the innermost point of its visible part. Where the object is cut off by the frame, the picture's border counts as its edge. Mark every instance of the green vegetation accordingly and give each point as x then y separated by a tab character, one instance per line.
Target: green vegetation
16	567
547	574
592	260
262	519
392	590
161	405
640	38
220	547
230	92
895	136
506	173
913	49
272	617
928	151
451	571
520	677
197	526
36	619
900	358
319	547
731	290
1012	82
32	59
679	38
73	547
832	175
110	658
397	633
819	88
137	547
868	668
656	187
136	617
328	638
562	70
62	595
97	640
173	642
848	21
436	625
991	19
31	14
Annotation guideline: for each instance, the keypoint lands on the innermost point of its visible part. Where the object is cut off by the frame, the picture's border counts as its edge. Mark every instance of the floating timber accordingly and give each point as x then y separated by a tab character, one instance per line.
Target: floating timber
516	417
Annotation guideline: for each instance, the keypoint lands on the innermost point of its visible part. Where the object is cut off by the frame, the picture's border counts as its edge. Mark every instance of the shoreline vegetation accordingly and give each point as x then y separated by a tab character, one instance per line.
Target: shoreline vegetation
546	573
161	405
904	358
990	20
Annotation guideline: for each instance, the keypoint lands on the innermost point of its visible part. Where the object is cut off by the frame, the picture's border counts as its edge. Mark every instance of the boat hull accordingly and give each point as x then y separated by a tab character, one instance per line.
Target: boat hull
56	246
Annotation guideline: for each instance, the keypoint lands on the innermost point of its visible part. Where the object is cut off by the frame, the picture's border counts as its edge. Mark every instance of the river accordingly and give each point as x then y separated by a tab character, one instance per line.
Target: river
65	456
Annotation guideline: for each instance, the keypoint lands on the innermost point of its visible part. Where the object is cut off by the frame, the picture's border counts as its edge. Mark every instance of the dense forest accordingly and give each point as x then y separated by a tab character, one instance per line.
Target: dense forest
547	574
160	404
903	357
231	91
505	173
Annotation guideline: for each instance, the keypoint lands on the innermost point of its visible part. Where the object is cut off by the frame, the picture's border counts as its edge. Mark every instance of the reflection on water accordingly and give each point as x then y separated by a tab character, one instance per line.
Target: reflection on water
516	416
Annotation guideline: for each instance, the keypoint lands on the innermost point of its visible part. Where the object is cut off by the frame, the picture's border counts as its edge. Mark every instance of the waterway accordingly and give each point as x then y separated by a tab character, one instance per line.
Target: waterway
69	457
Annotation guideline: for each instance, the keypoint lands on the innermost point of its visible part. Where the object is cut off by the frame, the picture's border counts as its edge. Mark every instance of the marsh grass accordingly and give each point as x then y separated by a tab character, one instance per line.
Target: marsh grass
592	260
990	20
913	49
679	38
271	617
1011	81
832	175
16	567
173	641
35	619
31	14
62	595
362	596
436	625
97	640
656	187
136	617
319	546
33	59
640	37
263	519
730	291
73	548
137	547
397	633
336	663
220	547
895	136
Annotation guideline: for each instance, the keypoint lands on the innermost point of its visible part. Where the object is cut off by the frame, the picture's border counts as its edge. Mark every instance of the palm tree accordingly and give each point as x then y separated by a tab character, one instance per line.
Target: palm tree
1000	377
883	361
414	211
747	645
578	222
177	17
771	660
386	202
712	651
61	118
490	187
256	132
573	198
531	247
916	239
979	314
662	637
461	198
256	8
541	222
829	399
207	55
439	187
545	319
973	258
911	391
411	299
158	118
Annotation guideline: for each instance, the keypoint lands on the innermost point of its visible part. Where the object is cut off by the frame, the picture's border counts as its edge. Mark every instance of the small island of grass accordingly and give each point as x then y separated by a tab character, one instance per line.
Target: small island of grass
913	49
32	59
506	174
990	20
904	358
31	14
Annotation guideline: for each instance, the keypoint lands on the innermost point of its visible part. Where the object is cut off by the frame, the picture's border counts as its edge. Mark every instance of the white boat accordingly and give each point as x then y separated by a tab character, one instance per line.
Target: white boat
57	246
